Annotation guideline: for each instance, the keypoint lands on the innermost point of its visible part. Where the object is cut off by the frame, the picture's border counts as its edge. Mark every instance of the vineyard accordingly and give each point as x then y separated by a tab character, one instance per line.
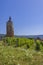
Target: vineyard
21	51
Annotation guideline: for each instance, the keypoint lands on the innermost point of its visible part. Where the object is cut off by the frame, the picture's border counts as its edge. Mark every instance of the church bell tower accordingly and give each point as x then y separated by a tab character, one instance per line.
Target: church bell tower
9	28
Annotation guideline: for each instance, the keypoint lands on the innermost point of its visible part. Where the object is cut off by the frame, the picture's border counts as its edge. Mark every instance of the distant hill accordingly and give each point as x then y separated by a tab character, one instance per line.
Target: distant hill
25	36
2	35
31	36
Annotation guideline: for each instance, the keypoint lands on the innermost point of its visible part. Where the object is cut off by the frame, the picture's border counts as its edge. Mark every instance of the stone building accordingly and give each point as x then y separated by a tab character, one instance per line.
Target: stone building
9	28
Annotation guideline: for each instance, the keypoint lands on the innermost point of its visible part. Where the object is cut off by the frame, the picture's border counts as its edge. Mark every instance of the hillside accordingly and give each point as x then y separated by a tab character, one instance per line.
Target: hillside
21	51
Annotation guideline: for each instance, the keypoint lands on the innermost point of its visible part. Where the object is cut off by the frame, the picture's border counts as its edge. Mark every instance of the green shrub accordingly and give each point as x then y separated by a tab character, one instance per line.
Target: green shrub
37	45
42	43
9	41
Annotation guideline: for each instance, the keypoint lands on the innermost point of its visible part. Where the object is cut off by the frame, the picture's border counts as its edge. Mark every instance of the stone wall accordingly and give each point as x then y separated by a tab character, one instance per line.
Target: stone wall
9	29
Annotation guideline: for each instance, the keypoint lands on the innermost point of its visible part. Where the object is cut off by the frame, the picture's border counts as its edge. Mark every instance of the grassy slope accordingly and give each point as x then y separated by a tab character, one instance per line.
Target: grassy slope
19	56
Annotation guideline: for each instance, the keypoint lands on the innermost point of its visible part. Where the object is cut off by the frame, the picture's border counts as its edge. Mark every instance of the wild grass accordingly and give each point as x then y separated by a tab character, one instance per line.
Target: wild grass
19	56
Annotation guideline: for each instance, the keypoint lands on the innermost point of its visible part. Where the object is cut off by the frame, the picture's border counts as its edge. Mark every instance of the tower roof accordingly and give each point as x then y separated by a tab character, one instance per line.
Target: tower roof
9	19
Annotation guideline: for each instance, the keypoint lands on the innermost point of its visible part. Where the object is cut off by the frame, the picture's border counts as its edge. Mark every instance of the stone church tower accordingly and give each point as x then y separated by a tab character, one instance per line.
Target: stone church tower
9	28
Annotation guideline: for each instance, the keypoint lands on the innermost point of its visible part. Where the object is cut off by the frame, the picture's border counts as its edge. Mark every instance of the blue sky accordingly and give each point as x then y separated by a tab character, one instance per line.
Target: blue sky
27	16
